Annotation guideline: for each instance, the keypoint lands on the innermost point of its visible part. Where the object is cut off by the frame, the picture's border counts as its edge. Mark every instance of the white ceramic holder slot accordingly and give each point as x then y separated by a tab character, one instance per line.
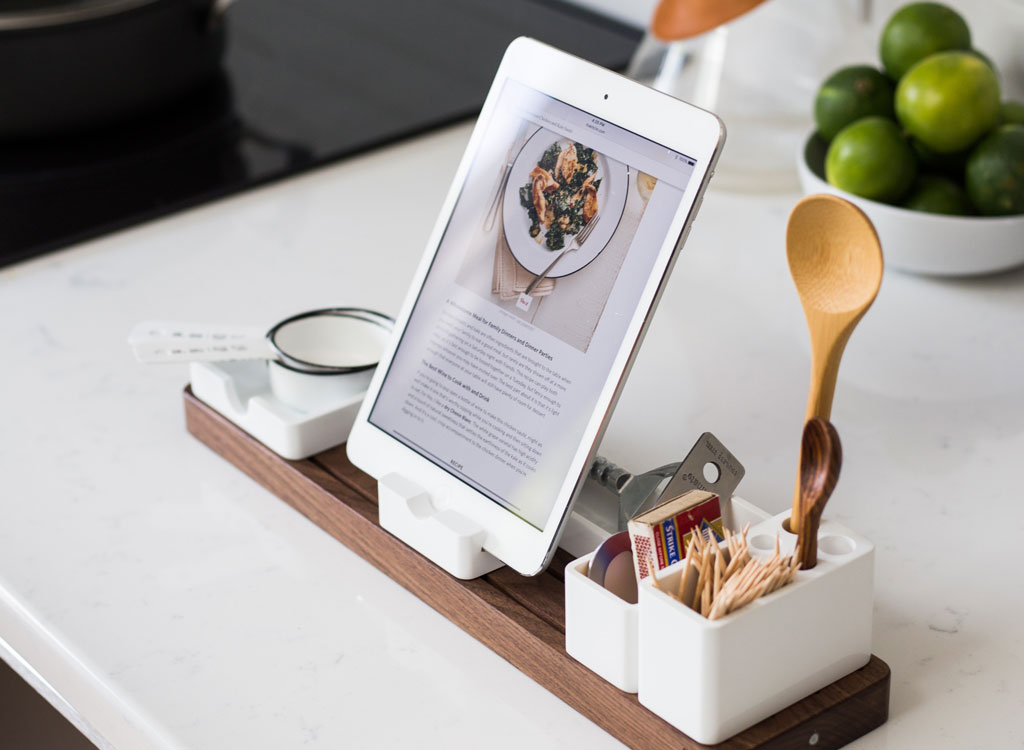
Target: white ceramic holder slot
601	628
714	678
241	391
448	538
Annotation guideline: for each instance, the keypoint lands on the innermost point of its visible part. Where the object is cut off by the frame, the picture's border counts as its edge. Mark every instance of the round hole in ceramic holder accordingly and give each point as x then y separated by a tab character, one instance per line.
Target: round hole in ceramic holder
836	545
762	542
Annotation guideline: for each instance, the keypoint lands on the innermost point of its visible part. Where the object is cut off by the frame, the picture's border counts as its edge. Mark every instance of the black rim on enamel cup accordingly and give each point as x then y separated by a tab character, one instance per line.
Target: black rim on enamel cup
294	338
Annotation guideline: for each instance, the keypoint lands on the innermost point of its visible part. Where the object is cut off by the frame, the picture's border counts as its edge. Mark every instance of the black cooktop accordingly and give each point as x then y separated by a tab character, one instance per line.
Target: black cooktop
304	83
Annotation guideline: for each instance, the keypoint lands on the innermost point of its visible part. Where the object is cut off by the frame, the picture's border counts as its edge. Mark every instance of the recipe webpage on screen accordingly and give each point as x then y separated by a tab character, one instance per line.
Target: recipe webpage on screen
496	386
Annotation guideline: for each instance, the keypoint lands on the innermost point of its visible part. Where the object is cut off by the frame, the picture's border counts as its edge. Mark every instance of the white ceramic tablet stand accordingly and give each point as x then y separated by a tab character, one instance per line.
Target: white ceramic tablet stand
455	542
448	538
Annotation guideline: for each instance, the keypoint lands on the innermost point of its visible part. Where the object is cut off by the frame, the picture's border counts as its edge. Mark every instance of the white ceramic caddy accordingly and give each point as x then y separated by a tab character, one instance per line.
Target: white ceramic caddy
295	425
714	678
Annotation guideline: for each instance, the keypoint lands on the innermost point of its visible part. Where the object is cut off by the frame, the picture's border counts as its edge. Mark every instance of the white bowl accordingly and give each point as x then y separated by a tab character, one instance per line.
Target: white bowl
921	242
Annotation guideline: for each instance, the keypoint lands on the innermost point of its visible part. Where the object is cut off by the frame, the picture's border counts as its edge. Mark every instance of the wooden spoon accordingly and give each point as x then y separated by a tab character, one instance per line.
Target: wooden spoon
821	456
681	19
836	262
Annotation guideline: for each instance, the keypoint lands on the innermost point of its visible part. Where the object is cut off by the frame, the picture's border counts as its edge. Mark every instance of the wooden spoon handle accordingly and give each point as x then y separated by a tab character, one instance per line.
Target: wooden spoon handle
826	354
828	341
807	541
824	374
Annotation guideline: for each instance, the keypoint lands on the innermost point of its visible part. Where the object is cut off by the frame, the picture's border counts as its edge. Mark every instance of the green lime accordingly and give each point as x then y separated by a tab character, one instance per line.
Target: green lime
984	58
1011	112
948	164
936	194
918	30
850	94
870	158
948	101
995	172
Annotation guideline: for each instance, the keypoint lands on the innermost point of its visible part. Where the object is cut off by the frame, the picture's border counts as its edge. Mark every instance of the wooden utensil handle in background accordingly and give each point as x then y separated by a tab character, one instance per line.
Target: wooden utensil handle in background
681	19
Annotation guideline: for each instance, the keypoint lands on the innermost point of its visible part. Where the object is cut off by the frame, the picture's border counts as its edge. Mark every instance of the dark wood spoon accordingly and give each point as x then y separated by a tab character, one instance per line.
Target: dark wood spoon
821	456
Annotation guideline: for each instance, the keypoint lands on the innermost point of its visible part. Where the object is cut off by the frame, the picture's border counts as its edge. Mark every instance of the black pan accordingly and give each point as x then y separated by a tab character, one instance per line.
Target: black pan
70	66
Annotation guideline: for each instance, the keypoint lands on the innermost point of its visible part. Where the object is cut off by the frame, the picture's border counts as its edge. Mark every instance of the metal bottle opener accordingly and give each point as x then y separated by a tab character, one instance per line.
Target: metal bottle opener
706	459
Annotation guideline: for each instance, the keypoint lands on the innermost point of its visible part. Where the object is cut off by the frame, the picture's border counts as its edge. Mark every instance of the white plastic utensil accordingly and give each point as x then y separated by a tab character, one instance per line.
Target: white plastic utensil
330	341
166	341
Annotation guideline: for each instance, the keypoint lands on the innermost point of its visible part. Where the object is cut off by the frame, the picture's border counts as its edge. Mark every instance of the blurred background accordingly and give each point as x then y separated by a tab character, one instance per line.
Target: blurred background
117	111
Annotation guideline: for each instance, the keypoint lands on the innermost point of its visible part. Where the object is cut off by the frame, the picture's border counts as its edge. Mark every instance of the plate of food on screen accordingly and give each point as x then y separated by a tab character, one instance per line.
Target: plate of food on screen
555	188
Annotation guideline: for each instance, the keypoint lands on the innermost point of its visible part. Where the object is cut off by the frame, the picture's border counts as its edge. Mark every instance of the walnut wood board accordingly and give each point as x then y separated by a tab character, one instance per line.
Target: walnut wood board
521	619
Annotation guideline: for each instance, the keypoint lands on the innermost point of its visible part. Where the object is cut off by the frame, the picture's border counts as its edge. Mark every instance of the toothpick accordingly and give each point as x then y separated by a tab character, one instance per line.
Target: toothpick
702	583
739	560
705	568
654	579
724	587
719	565
687	563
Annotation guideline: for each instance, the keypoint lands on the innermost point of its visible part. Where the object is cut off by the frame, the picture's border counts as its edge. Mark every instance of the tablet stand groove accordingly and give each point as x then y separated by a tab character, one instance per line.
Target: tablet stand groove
446	537
522	619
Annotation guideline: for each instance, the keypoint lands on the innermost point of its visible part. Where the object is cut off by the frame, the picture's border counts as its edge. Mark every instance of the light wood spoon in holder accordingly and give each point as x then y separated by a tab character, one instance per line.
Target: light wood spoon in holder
836	262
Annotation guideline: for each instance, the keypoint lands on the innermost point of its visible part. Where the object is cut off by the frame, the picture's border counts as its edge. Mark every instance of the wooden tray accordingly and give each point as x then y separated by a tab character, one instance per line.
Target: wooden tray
521	619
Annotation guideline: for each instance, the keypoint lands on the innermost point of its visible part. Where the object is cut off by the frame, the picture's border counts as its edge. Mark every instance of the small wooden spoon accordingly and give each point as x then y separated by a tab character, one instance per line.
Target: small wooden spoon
821	456
836	262
682	19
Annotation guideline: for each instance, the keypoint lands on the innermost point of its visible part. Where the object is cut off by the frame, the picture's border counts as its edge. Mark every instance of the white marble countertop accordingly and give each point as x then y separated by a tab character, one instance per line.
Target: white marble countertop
162	599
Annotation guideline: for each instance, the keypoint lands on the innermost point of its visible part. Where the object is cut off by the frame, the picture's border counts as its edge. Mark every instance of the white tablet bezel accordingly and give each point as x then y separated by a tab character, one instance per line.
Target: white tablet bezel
672	123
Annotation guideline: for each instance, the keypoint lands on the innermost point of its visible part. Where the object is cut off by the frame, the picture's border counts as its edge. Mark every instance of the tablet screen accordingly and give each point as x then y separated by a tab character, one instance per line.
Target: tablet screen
495	386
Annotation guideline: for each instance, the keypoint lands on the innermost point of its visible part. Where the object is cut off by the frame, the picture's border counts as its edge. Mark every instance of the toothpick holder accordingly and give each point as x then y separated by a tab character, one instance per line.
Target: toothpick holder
448	538
712	679
601	630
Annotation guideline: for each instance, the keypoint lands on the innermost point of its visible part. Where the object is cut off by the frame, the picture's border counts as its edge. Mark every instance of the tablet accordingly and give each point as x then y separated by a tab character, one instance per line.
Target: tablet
578	186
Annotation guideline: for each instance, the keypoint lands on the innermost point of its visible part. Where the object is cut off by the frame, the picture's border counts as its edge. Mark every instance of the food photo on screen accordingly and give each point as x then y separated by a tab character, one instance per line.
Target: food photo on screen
550	192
